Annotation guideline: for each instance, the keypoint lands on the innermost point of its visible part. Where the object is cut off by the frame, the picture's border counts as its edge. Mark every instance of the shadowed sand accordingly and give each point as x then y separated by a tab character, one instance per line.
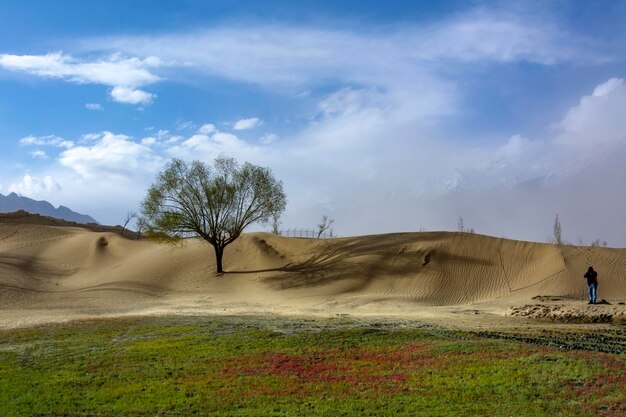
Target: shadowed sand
53	274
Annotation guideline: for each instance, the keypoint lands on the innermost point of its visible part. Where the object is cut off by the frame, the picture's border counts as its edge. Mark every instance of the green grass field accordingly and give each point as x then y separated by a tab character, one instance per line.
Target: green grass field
255	366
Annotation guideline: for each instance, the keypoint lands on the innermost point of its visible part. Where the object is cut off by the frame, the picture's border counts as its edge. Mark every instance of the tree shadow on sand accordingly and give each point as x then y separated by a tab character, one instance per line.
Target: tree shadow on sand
363	258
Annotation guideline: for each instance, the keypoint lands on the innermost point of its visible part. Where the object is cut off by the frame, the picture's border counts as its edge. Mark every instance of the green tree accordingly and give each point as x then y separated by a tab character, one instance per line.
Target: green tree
215	202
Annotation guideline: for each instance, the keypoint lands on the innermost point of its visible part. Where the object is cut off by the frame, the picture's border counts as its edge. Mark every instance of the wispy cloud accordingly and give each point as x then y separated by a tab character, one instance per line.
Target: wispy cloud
245	124
94	106
184	125
39	154
123	74
503	36
49	140
268	138
113	70
279	54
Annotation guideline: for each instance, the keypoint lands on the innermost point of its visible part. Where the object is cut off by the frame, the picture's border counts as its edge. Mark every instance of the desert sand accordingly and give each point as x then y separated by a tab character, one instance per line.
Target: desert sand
57	273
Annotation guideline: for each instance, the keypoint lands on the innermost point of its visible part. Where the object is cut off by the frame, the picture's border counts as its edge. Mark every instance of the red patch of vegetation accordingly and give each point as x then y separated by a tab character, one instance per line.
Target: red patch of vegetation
610	383
344	371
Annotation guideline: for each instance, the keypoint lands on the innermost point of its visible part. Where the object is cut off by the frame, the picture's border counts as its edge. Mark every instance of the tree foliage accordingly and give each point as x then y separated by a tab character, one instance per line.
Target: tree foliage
215	202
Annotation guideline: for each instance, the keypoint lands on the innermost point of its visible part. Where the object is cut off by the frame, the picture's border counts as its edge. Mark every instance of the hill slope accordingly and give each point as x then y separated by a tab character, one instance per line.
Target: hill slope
14	202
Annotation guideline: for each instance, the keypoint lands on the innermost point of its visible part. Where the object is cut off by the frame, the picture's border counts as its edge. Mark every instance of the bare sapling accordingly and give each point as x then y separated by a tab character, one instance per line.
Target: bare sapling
324	225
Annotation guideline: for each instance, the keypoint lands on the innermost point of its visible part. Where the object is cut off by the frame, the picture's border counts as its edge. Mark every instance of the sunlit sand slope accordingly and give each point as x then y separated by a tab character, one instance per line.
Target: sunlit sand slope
73	270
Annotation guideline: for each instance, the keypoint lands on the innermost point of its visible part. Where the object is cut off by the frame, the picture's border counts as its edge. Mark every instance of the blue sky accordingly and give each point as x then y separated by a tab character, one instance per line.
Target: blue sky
386	116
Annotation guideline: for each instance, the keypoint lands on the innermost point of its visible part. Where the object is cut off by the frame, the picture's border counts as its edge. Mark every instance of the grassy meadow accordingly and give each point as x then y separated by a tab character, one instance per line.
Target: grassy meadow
269	366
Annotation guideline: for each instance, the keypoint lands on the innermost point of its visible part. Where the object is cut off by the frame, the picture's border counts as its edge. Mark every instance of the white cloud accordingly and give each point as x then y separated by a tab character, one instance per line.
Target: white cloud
516	146
206	129
94	106
226	139
110	156
598	119
121	73
174	139
39	154
249	123
378	143
368	157
297	55
607	87
131	96
112	71
35	187
502	36
87	137
574	172
50	140
374	158
350	100
159	137
268	138
591	131
184	125
209	146
149	141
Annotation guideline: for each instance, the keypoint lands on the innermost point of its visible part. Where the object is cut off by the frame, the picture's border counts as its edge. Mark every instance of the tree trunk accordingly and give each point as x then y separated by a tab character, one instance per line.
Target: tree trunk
219	252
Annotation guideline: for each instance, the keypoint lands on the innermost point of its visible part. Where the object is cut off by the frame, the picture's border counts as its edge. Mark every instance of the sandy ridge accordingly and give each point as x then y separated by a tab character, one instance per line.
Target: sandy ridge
58	273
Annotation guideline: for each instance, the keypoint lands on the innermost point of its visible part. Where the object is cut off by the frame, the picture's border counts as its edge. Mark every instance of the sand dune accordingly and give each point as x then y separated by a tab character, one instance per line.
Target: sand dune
52	273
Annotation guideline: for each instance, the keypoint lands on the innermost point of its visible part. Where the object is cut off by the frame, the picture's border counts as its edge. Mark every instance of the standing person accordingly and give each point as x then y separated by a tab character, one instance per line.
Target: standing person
592	282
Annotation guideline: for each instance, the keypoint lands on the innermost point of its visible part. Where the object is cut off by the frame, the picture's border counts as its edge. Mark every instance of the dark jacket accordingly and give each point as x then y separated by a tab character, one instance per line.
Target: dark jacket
592	277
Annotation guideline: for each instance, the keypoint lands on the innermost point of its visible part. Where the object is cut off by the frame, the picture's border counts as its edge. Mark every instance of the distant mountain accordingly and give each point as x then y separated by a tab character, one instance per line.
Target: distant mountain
14	202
